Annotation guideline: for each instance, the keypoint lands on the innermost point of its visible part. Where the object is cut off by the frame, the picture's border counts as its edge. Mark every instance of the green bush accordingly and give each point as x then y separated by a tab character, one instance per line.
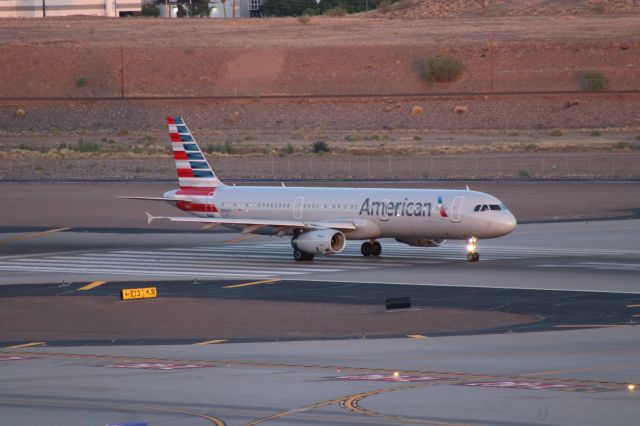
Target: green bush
592	81
86	146
523	174
320	147
287	7
556	132
150	10
595	133
81	82
440	69
225	148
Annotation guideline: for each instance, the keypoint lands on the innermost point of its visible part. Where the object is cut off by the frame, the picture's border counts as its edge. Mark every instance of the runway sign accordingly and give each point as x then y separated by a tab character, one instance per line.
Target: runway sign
156	366
138	293
520	385
387	378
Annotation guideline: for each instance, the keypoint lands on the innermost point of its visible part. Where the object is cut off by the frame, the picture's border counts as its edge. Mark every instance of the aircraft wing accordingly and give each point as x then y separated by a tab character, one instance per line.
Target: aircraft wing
253	224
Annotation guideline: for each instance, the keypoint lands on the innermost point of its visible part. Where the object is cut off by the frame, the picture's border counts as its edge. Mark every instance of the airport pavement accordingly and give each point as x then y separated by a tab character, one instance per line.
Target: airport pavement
581	256
564	377
553	378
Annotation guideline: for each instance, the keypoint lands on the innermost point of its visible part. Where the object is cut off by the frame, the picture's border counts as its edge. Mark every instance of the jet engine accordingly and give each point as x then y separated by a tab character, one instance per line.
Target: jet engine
422	242
324	241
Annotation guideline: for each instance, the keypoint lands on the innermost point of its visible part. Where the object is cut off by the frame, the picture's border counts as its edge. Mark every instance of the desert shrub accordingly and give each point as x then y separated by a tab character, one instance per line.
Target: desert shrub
622	145
595	133
320	147
384	6
81	82
150	10
86	146
225	148
403	4
556	132
441	69
336	11
289	149
304	19
352	138
523	174
592	81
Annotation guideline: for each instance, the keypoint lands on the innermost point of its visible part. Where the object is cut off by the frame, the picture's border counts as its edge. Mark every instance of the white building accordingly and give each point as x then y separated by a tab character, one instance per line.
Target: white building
39	8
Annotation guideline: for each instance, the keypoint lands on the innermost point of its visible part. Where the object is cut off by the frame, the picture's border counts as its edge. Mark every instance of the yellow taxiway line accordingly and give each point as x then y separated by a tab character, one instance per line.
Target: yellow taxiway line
91	285
251	283
31	235
209	342
27	345
633	306
416	336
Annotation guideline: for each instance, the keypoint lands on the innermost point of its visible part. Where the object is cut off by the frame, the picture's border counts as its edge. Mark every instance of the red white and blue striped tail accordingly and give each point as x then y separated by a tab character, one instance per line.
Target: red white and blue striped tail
192	166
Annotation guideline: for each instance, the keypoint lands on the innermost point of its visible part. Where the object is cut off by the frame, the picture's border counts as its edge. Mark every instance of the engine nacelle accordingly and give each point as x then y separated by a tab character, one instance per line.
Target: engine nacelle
422	242
324	241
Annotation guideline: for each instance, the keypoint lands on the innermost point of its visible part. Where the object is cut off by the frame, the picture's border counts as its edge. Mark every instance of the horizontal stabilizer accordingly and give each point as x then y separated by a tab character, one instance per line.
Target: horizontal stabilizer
169	200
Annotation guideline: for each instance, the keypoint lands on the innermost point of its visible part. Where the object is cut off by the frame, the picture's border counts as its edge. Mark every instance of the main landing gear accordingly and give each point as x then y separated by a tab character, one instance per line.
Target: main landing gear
301	256
371	248
472	254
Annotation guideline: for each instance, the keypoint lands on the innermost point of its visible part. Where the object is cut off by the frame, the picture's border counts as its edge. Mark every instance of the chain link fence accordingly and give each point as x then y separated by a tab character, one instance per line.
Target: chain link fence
619	165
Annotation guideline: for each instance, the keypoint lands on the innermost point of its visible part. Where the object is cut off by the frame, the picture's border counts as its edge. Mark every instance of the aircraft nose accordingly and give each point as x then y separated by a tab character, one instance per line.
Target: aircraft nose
509	223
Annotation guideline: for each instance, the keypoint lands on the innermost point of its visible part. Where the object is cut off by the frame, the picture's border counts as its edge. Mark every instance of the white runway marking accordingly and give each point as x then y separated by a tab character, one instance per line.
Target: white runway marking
273	259
605	266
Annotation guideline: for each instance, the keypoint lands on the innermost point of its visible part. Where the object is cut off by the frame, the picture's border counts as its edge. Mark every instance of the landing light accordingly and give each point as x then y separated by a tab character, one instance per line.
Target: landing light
396	374
631	387
471	248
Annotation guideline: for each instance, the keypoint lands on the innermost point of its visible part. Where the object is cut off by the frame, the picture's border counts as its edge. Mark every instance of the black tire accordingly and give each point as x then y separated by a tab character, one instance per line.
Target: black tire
476	257
376	249
471	257
366	249
309	256
299	256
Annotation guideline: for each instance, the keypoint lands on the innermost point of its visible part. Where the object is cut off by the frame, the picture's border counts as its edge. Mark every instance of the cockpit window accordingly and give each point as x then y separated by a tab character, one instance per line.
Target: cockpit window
495	207
484	208
477	208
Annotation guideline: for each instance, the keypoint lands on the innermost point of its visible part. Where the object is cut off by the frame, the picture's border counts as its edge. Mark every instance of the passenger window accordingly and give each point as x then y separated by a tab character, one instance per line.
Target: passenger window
485	207
477	208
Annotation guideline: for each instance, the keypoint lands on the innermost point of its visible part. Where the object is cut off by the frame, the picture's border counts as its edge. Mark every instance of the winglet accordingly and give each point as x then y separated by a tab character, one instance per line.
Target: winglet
150	218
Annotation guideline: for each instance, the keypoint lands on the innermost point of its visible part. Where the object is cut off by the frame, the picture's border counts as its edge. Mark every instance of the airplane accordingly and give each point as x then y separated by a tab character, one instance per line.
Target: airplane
320	220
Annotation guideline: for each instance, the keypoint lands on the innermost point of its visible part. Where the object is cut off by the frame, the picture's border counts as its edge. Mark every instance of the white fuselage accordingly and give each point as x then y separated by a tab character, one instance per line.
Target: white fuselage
377	213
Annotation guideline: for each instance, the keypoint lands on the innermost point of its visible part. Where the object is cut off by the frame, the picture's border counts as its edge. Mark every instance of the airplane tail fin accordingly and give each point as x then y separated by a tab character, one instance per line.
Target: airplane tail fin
191	165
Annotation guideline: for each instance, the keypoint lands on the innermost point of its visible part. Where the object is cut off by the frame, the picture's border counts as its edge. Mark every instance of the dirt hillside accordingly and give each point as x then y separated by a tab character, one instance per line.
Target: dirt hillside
456	8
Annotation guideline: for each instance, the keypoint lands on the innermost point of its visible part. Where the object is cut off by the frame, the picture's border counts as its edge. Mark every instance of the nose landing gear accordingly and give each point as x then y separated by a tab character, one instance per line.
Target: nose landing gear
472	254
371	248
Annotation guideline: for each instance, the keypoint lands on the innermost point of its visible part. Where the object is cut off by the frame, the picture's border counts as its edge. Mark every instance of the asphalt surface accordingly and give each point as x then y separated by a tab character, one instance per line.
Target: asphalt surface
552	378
571	275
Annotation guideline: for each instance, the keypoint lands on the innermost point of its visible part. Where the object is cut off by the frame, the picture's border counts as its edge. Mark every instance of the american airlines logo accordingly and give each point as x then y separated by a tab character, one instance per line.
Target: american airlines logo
387	208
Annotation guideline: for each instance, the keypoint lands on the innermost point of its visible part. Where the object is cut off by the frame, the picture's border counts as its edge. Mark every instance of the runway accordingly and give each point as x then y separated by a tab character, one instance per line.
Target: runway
572	275
574	256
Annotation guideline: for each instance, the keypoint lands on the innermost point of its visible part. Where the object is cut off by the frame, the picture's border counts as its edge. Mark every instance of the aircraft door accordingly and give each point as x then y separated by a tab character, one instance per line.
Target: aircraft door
297	208
456	209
